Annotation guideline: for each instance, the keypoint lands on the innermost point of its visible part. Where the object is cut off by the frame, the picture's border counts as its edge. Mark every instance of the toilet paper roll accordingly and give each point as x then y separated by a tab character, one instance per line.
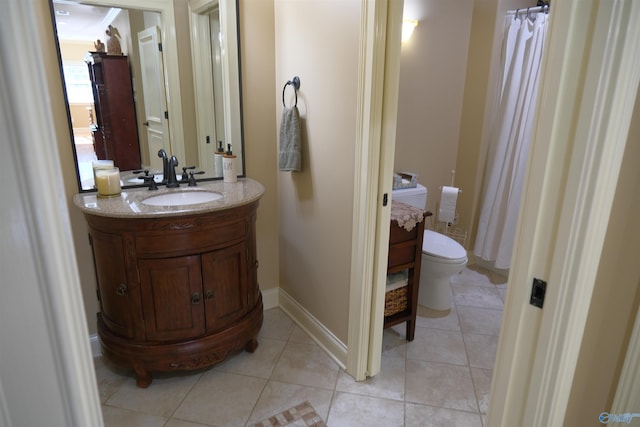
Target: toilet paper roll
448	200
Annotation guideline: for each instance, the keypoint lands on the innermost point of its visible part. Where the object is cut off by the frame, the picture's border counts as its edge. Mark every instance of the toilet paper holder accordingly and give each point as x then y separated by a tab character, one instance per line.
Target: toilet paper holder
453	177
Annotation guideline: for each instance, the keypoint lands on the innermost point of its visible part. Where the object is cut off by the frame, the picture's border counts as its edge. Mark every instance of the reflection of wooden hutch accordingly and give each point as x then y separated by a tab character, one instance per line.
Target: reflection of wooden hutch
115	136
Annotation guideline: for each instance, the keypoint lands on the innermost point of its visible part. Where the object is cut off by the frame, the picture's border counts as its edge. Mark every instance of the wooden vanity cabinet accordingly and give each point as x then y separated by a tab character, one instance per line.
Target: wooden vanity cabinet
117	311
176	293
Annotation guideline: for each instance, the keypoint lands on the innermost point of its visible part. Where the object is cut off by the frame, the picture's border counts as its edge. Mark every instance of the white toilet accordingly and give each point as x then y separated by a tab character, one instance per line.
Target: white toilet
442	256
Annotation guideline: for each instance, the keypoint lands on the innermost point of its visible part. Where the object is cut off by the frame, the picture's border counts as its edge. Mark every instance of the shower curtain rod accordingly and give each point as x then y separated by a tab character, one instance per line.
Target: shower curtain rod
533	9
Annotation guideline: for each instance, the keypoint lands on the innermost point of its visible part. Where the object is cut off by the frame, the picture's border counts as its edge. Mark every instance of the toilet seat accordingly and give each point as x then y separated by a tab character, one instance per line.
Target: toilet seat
442	248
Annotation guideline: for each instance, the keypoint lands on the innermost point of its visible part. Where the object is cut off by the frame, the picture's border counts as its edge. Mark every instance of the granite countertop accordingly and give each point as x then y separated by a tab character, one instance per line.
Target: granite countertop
129	203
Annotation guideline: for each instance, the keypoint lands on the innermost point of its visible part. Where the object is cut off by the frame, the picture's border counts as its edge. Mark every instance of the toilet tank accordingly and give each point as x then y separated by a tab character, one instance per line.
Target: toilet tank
416	197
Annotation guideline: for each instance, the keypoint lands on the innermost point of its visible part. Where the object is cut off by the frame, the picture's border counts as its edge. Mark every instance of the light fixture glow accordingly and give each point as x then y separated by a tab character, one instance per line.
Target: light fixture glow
408	25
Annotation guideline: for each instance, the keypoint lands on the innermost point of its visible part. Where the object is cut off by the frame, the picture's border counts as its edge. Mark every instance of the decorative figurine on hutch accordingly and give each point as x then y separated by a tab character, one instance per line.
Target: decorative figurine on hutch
113	42
98	46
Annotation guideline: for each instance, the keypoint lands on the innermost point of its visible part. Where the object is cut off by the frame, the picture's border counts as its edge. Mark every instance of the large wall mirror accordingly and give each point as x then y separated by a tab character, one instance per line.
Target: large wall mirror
142	76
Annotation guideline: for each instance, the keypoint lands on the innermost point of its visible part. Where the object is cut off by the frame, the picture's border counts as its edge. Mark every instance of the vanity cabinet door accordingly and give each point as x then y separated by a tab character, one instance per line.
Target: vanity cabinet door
172	300
224	276
114	290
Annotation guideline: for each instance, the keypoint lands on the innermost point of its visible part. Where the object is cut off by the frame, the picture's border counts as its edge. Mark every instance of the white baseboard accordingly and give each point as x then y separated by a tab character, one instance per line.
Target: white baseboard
270	298
314	328
94	341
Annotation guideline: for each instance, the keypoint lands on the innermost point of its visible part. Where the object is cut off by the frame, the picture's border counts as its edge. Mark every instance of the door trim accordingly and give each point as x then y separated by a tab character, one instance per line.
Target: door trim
47	359
375	147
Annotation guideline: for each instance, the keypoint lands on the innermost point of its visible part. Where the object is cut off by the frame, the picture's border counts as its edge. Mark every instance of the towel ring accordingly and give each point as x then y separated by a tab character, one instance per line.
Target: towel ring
296	85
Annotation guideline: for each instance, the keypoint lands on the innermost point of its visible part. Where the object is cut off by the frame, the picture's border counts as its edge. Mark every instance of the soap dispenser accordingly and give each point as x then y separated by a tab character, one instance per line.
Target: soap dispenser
230	173
217	158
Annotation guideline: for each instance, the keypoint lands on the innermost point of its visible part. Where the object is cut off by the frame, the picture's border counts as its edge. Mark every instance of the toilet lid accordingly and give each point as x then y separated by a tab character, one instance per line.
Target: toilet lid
441	246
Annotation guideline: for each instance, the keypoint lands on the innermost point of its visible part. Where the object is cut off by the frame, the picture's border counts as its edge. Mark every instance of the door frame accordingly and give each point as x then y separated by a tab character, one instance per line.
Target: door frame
378	80
45	340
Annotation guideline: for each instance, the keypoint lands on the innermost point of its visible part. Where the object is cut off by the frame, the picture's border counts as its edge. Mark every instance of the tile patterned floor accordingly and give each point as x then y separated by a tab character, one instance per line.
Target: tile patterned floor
442	378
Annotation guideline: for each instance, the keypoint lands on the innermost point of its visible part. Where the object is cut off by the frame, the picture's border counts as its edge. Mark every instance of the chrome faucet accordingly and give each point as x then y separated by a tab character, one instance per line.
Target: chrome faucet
172	181
165	165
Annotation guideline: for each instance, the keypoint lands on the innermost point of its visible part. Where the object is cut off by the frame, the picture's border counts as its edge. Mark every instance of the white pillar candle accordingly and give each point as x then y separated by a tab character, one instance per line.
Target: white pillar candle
108	181
100	164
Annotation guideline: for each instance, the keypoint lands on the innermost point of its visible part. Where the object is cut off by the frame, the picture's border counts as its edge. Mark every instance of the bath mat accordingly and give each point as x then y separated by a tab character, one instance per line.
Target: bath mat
302	415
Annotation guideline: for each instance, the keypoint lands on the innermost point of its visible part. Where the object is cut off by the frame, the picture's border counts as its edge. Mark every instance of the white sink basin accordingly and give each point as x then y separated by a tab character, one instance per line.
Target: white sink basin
182	198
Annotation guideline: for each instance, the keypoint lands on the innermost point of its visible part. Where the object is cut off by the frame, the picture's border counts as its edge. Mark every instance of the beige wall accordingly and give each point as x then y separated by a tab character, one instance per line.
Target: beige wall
258	87
432	73
318	42
615	300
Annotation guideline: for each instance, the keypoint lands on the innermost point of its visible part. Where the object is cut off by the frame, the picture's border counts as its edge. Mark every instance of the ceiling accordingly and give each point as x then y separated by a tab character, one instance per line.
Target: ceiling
76	21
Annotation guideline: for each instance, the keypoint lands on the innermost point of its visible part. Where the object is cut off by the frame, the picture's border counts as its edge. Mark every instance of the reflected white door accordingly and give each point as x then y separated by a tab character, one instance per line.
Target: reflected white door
208	80
155	100
217	83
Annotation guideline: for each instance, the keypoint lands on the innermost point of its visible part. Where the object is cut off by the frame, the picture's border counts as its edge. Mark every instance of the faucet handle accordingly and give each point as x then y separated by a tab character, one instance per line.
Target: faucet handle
192	178
184	172
150	179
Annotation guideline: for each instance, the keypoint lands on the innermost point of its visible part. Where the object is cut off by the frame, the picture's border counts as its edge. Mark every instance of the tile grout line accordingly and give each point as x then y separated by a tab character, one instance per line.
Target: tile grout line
267	380
466	352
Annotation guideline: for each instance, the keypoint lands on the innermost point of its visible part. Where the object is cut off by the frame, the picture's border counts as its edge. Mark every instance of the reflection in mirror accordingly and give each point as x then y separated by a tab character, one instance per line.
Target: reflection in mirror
215	64
131	91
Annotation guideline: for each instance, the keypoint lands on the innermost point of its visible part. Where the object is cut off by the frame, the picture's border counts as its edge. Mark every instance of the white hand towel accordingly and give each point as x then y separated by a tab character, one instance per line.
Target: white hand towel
448	200
290	143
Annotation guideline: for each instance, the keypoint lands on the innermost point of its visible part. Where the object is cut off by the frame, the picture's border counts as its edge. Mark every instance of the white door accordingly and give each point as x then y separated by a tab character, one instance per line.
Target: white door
154	94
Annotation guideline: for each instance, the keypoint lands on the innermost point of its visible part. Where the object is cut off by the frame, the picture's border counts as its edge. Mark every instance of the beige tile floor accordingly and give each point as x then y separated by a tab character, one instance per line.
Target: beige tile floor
442	378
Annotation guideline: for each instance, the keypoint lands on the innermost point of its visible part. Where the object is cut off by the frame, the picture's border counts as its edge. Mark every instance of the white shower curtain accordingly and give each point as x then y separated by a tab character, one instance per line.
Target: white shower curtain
511	132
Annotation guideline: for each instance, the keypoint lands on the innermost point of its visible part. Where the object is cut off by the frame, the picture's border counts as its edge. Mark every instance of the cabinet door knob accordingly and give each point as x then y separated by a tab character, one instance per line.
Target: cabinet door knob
256	263
195	298
121	290
209	295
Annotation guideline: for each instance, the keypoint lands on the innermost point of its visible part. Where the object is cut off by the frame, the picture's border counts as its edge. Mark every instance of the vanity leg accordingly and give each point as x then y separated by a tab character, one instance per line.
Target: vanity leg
143	377
251	345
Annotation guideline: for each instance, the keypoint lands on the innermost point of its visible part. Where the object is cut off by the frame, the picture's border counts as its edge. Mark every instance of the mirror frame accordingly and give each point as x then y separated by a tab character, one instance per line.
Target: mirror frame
171	64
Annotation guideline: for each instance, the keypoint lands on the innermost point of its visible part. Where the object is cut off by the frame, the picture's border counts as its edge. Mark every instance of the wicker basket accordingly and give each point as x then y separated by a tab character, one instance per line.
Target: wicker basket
395	301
